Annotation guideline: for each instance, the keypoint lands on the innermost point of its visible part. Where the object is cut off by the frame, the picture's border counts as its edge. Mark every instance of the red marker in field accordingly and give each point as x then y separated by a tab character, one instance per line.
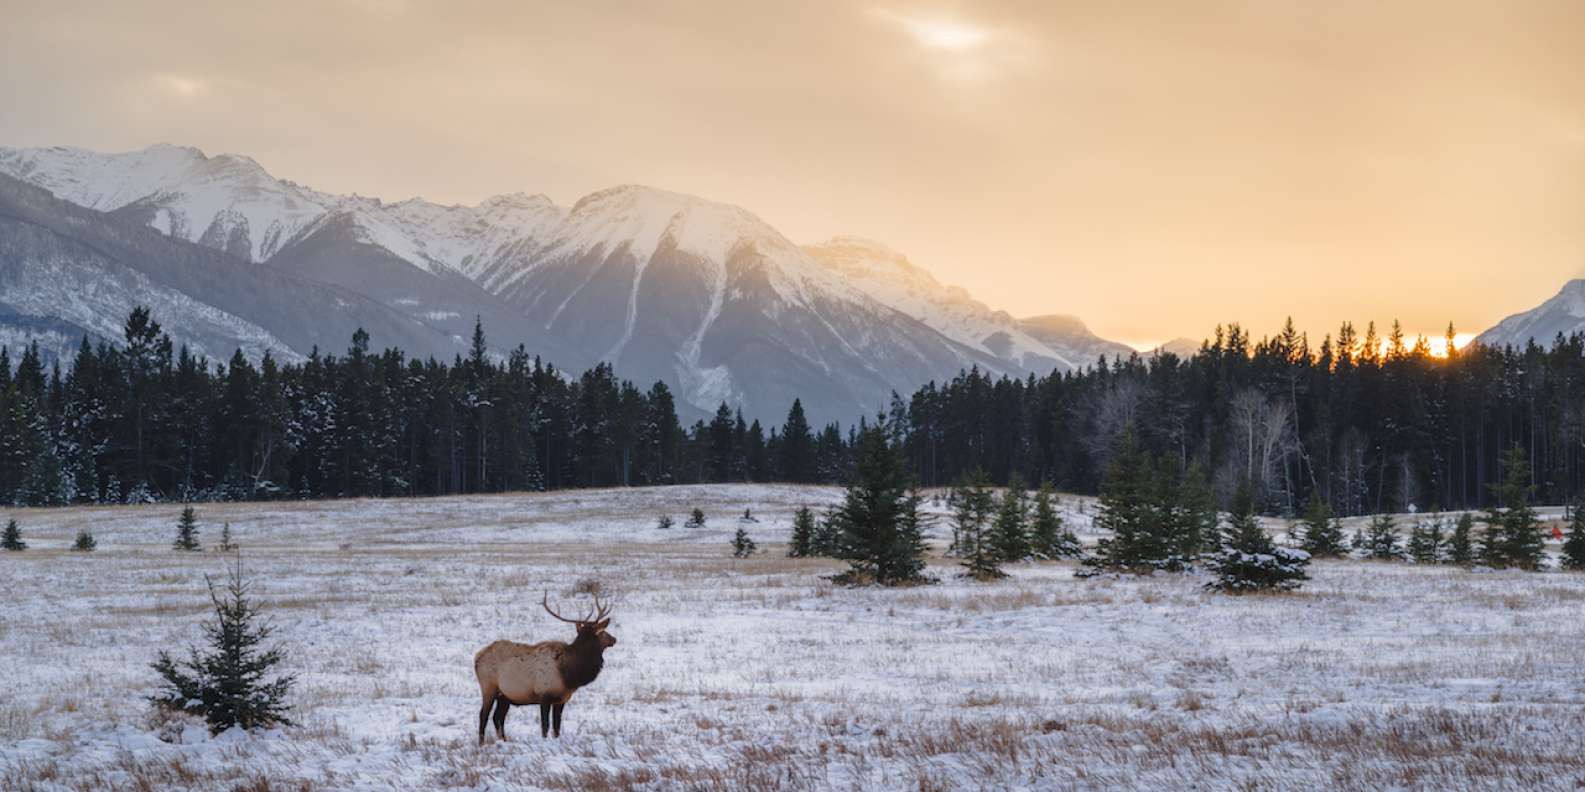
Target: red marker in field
1557	533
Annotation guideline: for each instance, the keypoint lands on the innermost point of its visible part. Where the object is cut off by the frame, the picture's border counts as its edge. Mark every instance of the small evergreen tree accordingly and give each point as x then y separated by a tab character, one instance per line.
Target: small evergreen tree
970	518
742	545
1574	543
1461	543
1138	509
664	523
1195	514
695	520
1513	532
1425	542
1010	529
187	532
1049	537
12	539
226	545
748	516
1382	542
1322	536
803	534
1249	561
882	536
85	542
227	685
828	535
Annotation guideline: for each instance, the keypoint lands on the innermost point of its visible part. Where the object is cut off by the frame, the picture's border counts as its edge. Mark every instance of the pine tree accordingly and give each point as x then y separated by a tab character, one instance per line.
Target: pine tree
1574	543
1461	543
1195	514
882	536
12	539
1010	530
1426	541
695	520
1513	534
971	518
187	532
828	535
1050	538
803	534
226	546
1382	542
1249	561
742	545
1137	509
1322	536
227	685
85	542
664	522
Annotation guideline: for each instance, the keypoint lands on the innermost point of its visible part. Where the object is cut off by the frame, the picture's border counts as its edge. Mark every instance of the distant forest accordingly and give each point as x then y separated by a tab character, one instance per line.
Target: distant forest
1369	423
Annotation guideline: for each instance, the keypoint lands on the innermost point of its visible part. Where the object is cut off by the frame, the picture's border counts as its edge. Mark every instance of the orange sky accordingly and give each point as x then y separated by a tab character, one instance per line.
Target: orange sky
1153	167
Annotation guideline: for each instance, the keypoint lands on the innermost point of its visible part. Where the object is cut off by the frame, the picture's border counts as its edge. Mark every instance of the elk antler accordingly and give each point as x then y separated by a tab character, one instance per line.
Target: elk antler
601	610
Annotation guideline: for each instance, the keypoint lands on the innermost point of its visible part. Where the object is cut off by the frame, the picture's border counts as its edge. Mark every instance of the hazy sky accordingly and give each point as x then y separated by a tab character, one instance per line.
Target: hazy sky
1153	167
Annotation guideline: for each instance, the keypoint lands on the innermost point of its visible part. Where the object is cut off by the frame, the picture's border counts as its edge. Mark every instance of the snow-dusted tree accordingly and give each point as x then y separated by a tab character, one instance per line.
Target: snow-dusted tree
742	545
226	545
695	520
1382	540
1574	542
882	529
1050	538
803	534
1513	532
1138	509
1461	548
12	538
971	534
1010	529
85	542
1250	561
664	522
228	684
187	532
1426	541
1322	535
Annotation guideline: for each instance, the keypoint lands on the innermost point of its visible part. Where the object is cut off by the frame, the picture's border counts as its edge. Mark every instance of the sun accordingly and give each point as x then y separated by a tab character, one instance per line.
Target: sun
945	35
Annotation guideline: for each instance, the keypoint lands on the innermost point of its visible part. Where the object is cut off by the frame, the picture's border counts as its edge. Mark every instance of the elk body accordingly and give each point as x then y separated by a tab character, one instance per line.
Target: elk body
546	673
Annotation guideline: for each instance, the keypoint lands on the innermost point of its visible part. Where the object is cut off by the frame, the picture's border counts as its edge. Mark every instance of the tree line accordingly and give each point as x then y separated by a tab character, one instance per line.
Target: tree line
1360	422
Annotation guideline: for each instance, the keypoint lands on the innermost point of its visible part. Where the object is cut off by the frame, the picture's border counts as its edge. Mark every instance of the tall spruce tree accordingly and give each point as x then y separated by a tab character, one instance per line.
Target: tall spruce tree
1249	561
1574	542
187	532
882	536
971	532
1010	529
1322	536
229	683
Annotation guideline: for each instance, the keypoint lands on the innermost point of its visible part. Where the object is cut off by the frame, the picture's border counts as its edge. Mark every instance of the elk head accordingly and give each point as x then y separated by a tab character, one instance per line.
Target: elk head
591	625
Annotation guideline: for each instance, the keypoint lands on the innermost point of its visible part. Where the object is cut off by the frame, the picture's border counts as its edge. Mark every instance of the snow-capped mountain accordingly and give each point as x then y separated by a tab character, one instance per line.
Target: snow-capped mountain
702	295
1564	313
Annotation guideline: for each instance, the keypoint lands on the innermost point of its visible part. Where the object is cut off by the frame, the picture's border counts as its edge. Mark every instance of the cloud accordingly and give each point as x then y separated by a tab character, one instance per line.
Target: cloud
182	87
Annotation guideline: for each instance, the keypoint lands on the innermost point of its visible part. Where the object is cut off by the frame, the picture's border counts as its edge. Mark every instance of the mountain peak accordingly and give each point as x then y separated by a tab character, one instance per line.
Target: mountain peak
1563	313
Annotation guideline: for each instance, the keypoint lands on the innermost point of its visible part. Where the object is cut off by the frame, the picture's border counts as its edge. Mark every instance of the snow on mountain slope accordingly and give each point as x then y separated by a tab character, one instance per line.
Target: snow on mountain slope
713	299
1563	313
891	278
702	295
231	203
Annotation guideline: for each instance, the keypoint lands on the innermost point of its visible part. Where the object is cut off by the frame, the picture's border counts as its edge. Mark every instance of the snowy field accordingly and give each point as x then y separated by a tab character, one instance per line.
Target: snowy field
758	674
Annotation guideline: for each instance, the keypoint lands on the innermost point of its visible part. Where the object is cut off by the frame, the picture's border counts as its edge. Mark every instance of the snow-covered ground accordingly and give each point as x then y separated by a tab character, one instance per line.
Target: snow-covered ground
758	674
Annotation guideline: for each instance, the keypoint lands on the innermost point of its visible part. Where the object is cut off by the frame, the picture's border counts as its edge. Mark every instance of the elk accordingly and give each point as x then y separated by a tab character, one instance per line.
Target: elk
545	673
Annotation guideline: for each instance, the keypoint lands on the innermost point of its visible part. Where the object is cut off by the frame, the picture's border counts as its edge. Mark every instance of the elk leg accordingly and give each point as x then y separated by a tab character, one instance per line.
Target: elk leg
501	708
555	718
544	719
484	716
